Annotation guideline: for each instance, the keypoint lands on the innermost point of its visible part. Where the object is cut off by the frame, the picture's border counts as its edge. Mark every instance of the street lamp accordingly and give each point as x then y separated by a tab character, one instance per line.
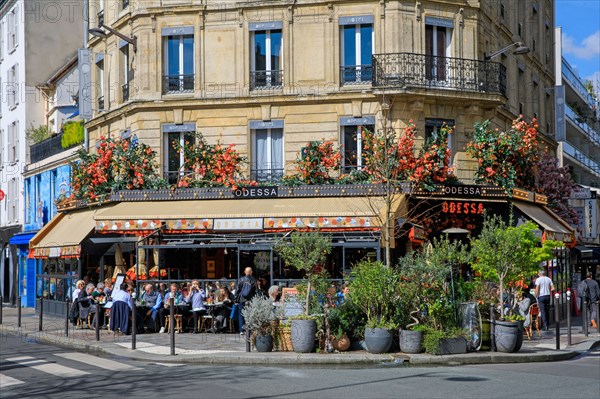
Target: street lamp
519	49
99	32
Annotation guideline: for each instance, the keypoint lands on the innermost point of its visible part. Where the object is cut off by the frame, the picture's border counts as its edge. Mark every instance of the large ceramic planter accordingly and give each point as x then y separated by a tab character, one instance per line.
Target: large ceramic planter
452	346
303	335
411	341
378	340
508	336
264	343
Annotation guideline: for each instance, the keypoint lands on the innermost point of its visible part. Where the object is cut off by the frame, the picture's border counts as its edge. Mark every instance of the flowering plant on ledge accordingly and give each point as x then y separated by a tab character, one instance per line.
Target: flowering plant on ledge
316	164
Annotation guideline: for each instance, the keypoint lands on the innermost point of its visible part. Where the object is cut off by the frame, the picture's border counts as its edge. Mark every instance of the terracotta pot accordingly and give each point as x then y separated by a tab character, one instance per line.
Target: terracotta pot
341	344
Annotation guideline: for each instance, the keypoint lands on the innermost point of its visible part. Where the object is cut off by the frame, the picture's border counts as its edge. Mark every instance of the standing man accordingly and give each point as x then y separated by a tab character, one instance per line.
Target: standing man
246	289
543	290
588	290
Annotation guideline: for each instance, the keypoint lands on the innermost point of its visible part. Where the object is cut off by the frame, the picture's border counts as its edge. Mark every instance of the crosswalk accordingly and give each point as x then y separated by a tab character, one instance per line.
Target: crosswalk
79	365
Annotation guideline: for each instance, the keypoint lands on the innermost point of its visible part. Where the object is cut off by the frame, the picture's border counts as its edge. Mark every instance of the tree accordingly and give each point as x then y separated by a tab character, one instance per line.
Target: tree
36	134
506	254
557	184
304	252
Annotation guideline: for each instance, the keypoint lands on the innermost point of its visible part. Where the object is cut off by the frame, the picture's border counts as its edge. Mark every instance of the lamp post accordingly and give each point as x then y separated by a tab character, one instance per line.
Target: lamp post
519	49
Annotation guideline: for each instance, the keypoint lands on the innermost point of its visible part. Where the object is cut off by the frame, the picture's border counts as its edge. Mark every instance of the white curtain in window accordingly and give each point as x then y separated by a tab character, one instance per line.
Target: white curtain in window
261	150
276	148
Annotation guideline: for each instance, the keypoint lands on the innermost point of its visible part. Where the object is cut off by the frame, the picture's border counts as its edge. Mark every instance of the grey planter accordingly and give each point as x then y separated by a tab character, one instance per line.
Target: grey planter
452	346
508	336
264	343
378	340
411	341
303	335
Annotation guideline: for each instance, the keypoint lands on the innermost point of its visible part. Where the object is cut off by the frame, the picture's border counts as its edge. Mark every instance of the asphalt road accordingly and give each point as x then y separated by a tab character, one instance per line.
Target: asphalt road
33	370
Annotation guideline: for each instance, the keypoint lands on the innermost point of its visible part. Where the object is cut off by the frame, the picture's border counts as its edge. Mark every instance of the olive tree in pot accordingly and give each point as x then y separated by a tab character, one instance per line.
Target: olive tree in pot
506	255
304	252
374	291
261	317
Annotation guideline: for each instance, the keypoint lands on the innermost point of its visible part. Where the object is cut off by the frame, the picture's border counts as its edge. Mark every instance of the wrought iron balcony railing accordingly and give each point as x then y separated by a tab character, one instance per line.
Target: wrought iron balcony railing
356	74
101	103
266	175
405	70
262	80
125	91
178	84
101	18
47	148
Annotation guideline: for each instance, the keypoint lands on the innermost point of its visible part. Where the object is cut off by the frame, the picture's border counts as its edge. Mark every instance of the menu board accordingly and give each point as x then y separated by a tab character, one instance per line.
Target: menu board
292	303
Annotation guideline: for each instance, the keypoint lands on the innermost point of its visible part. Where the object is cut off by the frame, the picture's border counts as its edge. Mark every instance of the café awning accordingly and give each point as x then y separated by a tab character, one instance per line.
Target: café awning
554	227
250	214
62	236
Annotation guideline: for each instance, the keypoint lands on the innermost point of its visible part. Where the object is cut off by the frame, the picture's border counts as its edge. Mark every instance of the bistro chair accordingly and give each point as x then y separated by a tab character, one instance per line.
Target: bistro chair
534	317
206	323
178	327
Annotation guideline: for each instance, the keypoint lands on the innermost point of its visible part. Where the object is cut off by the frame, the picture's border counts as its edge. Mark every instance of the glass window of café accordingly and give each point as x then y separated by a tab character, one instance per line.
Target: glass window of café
351	131
56	278
183	134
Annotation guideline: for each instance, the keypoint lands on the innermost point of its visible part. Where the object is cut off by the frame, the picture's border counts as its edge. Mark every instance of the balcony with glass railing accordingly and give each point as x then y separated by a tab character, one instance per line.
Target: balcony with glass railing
579	121
575	81
580	157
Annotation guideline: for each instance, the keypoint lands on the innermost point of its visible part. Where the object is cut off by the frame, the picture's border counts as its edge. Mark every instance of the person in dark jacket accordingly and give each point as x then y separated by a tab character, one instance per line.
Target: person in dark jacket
246	289
592	299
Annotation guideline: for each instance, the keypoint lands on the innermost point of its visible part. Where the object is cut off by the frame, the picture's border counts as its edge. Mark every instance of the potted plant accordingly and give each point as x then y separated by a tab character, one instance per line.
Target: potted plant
260	316
374	291
506	255
444	342
305	252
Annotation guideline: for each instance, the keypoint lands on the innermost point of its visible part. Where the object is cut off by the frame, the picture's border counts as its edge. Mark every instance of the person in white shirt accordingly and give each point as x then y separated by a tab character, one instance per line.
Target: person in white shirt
543	290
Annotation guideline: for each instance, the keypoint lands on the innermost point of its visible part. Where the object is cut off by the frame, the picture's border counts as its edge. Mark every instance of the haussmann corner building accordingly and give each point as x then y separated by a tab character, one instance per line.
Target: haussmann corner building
272	76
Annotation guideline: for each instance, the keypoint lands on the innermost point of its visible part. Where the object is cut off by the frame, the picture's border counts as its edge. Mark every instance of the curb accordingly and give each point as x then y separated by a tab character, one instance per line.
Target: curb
491	358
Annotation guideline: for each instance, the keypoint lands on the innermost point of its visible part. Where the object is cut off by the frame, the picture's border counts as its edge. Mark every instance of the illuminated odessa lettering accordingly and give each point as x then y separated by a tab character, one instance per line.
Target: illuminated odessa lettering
474	208
462	190
255	192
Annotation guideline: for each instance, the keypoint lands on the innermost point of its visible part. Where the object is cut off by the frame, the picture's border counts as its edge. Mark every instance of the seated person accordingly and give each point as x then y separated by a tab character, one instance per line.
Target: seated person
223	311
524	305
164	310
120	311
108	286
152	301
85	301
274	294
98	296
196	298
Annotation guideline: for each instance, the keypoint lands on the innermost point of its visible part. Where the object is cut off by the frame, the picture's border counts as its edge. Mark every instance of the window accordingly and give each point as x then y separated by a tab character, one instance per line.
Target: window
267	151
100	12
266	61
13	200
502	10
2	146
1	40
431	128
12	86
12	30
125	72
174	160
100	81
178	60
38	204
357	47
437	49
125	4
28	200
13	142
352	129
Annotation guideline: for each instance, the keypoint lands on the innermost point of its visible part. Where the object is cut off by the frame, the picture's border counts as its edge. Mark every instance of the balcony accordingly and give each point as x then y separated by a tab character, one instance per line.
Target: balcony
47	148
101	18
410	70
580	121
573	79
356	74
100	103
125	92
265	80
266	175
173	84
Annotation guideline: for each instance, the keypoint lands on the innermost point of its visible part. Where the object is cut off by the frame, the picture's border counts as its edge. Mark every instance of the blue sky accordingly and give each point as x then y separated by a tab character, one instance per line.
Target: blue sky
580	22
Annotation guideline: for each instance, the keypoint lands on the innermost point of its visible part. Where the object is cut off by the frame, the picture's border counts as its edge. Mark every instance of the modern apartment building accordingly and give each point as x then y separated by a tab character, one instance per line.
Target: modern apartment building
36	38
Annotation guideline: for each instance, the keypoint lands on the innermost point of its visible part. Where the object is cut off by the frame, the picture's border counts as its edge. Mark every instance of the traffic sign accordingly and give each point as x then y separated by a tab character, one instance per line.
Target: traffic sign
1	195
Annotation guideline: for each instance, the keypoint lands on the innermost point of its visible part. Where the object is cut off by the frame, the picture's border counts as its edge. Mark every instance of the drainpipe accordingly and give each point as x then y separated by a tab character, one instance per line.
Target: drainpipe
86	26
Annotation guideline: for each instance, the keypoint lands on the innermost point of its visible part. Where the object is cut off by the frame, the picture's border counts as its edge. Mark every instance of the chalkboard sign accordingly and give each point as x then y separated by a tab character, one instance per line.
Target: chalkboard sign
292	303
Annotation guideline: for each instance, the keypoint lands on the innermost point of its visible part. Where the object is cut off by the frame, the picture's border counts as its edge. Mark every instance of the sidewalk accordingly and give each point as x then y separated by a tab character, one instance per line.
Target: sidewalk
231	348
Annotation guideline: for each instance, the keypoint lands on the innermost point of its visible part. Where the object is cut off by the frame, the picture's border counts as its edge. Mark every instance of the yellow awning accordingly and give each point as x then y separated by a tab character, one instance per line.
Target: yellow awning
62	236
152	214
548	221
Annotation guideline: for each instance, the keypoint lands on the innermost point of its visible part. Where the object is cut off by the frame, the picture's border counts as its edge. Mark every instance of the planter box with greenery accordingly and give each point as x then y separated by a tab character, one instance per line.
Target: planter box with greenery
261	317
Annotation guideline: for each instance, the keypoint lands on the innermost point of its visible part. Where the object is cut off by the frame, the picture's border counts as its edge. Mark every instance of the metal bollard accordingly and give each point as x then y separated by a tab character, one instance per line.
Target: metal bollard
569	318
133	322
557	317
492	330
247	338
598	317
41	313
68	310
584	316
19	312
172	323
0	309
97	321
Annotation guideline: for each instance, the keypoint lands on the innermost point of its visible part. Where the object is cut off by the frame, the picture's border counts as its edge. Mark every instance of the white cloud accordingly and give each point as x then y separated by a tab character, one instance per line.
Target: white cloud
587	49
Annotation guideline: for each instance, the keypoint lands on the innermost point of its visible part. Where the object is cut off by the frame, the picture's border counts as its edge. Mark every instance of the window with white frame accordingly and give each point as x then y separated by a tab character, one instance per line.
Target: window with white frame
28	200
178	50
13	142
1	147
125	72
12	86
174	160
266	55
267	150
12	30
352	140
433	125
438	35
2	40
100	81
13	200
357	45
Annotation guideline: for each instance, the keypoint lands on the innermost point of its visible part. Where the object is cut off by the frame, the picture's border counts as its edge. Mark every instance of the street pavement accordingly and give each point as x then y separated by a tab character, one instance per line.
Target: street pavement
209	348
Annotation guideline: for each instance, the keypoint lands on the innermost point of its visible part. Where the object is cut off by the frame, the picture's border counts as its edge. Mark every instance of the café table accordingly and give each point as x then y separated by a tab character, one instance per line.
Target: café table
210	307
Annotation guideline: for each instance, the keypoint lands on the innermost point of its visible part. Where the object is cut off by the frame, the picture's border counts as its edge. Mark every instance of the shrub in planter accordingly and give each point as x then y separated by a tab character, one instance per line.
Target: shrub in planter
260	316
439	342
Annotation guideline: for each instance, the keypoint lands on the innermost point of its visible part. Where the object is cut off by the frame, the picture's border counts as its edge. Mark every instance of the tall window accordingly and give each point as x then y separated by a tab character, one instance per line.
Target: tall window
100	12
178	61
2	146
183	135
267	154
432	126
266	58
13	200
357	46
100	82
352	140
12	86
28	200
125	73
437	49
1	40
13	142
13	29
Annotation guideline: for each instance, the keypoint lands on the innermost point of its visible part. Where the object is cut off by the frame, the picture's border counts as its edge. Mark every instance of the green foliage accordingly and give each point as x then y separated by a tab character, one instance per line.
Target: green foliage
374	291
73	134
506	254
432	337
260	314
339	321
35	135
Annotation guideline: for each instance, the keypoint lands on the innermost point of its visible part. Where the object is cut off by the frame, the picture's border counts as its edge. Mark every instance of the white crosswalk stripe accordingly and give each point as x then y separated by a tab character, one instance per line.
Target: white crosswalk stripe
46	367
6	381
96	361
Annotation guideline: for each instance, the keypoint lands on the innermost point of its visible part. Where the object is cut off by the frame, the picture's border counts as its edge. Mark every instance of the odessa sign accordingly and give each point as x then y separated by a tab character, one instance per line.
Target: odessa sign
256	192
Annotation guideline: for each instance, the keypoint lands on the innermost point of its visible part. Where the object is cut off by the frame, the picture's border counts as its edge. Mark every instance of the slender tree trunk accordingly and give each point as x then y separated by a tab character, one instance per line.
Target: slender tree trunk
308	288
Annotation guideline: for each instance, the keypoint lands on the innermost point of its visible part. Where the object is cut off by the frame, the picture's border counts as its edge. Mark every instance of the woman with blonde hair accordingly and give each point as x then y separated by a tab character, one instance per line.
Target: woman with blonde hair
78	287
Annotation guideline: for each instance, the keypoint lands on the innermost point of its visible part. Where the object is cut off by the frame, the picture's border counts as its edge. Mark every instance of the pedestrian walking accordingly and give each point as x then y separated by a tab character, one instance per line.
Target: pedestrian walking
247	288
543	290
589	292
